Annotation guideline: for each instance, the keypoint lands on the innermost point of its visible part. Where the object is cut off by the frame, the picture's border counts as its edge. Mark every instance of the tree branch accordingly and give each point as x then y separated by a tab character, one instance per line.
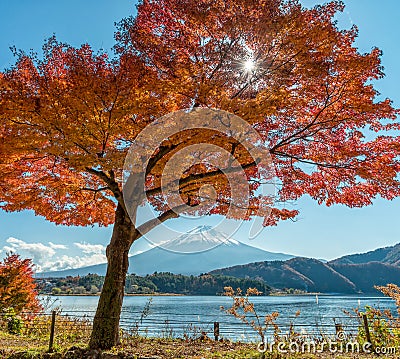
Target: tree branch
152	223
201	176
310	162
112	184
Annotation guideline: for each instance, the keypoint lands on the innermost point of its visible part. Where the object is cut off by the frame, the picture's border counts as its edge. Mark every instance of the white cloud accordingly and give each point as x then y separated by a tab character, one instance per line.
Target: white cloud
47	257
91	248
37	251
8	249
69	262
57	246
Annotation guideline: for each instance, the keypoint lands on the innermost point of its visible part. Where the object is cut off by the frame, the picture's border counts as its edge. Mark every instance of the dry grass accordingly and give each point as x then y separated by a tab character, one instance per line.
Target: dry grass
180	348
165	349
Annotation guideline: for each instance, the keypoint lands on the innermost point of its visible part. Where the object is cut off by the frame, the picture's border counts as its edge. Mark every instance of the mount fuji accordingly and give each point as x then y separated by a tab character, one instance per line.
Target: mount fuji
199	239
200	250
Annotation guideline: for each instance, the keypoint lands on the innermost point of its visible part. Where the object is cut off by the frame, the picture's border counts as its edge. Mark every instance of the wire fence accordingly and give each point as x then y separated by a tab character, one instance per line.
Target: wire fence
76	326
180	325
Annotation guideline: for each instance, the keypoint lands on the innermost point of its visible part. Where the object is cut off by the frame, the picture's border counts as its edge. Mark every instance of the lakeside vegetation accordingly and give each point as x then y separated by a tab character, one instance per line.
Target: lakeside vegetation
72	335
157	283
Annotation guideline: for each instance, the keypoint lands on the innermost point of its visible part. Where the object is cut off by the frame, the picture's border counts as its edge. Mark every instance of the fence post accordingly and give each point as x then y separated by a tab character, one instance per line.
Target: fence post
53	325
216	331
367	334
338	328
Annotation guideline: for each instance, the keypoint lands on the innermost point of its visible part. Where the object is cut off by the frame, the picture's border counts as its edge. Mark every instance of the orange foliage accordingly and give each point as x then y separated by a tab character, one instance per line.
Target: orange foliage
17	287
68	120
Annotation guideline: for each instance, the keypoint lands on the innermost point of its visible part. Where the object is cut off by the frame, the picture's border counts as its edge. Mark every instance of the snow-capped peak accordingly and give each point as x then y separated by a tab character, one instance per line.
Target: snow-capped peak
199	239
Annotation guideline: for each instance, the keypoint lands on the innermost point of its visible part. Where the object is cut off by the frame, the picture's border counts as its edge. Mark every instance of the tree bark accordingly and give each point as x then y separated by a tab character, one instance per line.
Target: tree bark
105	332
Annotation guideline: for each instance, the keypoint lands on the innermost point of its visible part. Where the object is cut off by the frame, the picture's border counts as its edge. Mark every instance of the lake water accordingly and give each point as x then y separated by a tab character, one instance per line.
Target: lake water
176	315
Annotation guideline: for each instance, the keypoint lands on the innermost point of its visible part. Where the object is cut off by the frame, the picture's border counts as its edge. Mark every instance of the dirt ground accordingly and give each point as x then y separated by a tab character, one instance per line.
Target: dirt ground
16	347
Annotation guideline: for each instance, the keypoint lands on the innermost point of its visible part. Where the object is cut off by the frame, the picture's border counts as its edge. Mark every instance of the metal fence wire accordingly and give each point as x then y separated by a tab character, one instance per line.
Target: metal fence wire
77	325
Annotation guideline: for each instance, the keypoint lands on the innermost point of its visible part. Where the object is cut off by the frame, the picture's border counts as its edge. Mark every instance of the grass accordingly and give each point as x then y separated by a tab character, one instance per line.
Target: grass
35	347
137	346
33	338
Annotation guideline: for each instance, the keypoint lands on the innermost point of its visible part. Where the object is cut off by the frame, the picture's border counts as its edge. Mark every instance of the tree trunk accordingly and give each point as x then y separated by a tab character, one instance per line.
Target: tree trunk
105	332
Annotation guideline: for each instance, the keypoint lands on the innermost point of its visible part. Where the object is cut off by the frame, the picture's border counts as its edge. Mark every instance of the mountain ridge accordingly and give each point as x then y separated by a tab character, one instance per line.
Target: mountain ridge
312	275
306	274
204	250
199	254
388	255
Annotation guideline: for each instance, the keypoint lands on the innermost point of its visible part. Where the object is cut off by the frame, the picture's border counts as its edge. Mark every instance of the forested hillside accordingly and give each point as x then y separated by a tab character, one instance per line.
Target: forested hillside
312	275
205	284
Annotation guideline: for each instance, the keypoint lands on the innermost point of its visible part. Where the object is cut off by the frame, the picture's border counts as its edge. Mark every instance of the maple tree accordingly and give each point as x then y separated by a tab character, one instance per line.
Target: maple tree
69	118
17	286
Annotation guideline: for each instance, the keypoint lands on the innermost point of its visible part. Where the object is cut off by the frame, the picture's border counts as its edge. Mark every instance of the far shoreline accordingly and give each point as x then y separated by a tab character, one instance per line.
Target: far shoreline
125	295
313	294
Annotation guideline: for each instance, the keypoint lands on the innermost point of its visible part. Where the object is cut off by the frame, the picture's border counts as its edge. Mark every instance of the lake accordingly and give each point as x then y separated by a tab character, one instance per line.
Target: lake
175	315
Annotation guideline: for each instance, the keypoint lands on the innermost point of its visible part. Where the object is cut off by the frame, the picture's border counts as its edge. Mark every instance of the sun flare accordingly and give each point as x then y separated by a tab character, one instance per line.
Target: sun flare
249	65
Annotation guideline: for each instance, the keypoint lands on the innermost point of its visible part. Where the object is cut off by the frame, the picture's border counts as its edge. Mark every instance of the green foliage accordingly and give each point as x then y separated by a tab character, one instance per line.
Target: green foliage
94	289
139	285
14	322
384	328
67	329
80	290
379	329
56	291
205	284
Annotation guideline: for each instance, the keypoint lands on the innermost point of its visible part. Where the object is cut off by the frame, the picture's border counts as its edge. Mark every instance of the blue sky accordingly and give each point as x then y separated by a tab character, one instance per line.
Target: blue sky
319	232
